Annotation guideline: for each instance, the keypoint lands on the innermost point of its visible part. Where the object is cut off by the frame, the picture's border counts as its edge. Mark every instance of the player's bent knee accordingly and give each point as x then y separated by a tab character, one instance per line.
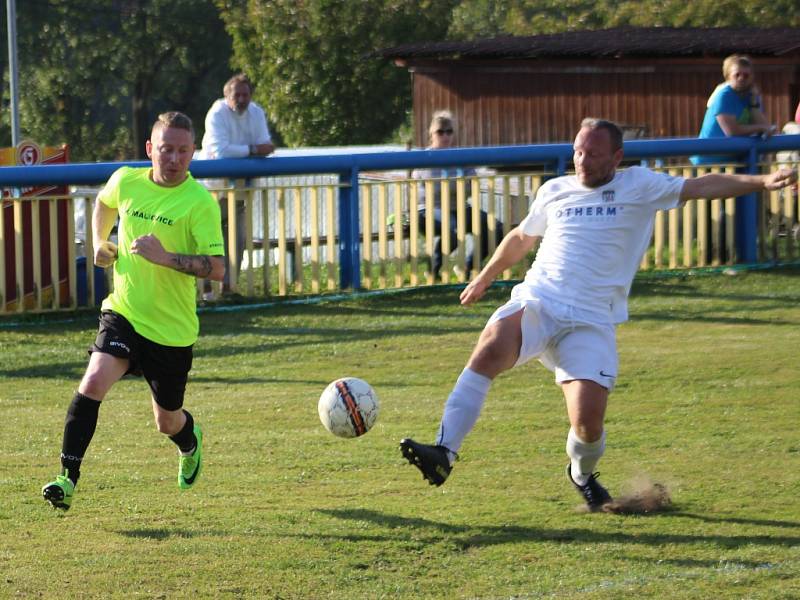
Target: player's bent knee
588	433
498	347
491	359
168	424
94	386
166	428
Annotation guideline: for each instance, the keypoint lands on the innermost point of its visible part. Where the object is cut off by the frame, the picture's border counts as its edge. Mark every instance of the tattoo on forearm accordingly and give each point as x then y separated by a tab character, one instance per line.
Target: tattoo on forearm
199	266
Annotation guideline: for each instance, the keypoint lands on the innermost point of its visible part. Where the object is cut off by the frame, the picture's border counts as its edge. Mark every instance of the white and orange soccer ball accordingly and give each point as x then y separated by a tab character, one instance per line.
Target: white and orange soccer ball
348	407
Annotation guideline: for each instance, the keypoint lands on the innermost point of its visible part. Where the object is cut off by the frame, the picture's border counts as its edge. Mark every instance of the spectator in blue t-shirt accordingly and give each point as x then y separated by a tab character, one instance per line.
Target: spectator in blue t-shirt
734	107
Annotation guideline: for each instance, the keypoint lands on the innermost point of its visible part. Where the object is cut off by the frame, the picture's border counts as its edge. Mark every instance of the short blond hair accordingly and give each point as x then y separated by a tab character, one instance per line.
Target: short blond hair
442	119
614	131
174	119
735	60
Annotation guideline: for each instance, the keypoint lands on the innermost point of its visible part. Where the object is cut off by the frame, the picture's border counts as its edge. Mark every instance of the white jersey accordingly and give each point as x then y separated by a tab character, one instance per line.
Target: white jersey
594	238
230	134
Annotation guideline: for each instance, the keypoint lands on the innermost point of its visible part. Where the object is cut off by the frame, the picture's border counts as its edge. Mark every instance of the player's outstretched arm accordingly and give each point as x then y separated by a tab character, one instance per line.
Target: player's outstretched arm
725	185
207	267
512	249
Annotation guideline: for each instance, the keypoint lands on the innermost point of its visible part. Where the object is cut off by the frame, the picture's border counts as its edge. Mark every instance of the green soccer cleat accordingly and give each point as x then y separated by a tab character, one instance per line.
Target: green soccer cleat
59	493
190	466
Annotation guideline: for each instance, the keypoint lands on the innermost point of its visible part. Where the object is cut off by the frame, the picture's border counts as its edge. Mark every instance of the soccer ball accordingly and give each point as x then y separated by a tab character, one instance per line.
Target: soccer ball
348	407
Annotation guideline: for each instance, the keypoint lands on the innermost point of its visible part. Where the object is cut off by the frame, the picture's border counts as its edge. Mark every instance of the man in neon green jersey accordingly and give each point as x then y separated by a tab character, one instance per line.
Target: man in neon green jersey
169	234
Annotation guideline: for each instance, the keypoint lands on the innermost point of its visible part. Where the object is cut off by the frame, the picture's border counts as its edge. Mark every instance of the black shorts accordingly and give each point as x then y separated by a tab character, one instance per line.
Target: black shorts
165	368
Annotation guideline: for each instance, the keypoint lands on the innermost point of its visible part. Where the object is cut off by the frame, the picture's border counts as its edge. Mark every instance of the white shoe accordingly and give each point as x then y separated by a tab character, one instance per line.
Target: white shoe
208	296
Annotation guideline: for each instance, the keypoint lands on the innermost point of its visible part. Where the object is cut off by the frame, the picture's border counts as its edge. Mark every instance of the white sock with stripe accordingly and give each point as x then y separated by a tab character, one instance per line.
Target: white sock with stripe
462	409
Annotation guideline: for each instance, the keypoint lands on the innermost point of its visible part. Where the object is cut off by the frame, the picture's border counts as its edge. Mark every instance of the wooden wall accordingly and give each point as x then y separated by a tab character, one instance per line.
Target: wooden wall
539	101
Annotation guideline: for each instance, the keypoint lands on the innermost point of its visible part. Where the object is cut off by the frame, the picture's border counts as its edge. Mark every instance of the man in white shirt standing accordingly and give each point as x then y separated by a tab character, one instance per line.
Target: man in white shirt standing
236	127
593	227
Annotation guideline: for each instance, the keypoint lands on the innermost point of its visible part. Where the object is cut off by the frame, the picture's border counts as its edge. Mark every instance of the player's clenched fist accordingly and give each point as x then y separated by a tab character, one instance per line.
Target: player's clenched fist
105	254
150	247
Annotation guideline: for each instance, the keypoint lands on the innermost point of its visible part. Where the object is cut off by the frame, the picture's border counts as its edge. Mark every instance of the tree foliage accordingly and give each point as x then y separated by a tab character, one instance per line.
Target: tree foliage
95	74
488	18
708	13
312	65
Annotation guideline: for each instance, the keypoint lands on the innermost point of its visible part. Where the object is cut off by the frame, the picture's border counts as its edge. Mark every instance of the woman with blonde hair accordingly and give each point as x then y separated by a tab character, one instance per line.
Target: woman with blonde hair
442	137
734	108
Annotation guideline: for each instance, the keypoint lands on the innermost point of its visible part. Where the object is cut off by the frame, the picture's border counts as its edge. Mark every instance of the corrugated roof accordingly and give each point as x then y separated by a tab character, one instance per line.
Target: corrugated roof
617	42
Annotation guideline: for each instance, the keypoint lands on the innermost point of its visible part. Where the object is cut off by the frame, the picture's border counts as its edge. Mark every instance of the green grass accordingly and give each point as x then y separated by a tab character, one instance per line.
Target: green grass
706	403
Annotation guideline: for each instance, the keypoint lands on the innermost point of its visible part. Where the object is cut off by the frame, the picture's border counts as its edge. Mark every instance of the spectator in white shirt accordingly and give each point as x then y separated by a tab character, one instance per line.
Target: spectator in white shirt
236	127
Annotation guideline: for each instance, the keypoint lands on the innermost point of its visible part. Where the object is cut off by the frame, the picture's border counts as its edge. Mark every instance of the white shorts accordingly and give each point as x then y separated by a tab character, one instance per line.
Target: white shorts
571	342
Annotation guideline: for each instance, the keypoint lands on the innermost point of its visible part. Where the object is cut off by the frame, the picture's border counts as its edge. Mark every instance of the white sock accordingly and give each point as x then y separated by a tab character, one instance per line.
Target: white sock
462	409
584	456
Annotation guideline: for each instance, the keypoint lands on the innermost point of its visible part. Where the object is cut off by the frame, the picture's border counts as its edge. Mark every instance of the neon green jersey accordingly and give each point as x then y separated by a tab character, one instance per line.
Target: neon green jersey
160	302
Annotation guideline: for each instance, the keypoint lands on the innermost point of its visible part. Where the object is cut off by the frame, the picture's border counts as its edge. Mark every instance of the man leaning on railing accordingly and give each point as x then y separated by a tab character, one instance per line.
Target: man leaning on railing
236	127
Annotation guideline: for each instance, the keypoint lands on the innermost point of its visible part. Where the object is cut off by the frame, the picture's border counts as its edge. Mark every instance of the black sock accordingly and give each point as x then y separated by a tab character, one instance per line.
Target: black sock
79	427
185	439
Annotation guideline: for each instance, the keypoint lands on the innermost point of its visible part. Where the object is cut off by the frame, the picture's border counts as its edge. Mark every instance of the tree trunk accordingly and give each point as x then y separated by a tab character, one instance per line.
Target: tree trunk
140	119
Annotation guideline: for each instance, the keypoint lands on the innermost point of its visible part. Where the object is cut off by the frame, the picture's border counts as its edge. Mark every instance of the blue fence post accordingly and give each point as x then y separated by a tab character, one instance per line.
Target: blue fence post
349	228
746	221
561	166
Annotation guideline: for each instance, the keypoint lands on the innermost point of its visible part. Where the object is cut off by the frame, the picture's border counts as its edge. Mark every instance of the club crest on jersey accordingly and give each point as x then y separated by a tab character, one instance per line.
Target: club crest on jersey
608	196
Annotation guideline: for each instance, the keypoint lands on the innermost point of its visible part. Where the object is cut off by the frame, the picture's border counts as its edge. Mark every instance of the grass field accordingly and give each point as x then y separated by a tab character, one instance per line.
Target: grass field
707	404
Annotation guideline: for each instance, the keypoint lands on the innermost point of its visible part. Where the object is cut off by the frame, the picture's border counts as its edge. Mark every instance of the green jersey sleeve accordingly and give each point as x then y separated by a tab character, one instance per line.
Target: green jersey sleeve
109	195
206	228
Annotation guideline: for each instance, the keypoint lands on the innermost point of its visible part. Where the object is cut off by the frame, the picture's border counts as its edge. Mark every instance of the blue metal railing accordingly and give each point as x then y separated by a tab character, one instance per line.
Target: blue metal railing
555	157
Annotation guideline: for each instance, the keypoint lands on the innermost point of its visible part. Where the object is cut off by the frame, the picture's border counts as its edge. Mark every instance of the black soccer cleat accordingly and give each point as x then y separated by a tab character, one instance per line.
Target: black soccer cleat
431	460
596	495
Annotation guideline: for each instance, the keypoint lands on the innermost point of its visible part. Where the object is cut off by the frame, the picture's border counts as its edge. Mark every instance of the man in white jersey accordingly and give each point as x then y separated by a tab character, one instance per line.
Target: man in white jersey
236	127
594	227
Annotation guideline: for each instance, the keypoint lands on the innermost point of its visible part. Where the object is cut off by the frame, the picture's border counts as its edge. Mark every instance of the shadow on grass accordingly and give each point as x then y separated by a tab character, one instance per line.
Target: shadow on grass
467	536
670	288
411	303
64	370
288	338
275	339
732	565
375	319
737	520
67	321
376	382
720	313
736	320
161	533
